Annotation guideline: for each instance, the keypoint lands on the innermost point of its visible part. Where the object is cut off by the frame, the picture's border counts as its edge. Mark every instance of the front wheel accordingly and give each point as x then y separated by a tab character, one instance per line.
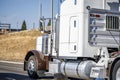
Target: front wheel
32	67
116	71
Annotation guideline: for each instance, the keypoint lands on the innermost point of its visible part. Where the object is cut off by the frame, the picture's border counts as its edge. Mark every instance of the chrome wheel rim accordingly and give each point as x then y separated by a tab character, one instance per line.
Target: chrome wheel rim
118	74
31	67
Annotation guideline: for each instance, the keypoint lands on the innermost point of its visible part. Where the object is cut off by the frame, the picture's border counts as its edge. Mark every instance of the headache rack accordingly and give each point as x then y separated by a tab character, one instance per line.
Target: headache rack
104	28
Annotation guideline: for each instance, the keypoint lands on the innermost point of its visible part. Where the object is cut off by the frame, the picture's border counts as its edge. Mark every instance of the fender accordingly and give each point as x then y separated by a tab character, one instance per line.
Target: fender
112	66
40	59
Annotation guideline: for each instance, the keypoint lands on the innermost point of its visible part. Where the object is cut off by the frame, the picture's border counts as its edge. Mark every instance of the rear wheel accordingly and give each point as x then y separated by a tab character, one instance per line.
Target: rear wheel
32	67
116	71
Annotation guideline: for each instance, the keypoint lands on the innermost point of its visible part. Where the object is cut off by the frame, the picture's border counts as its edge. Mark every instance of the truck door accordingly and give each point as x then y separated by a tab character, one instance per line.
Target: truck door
73	34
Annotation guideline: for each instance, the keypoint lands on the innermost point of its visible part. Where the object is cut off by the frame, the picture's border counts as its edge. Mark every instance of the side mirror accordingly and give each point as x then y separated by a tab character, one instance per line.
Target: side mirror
41	25
43	28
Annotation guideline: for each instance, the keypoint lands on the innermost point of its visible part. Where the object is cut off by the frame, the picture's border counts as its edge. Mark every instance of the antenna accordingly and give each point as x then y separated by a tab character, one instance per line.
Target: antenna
40	10
40	14
51	27
59	1
52	15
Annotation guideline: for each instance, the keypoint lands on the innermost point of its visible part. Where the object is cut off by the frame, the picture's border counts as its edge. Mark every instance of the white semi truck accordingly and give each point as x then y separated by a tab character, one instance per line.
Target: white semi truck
84	42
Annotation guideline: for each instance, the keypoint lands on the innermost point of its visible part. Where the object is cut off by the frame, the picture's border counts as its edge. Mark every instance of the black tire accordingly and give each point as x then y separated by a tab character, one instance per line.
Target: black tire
115	70
32	67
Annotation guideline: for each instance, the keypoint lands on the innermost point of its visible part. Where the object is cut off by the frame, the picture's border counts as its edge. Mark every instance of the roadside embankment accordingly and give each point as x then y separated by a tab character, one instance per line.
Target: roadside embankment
14	46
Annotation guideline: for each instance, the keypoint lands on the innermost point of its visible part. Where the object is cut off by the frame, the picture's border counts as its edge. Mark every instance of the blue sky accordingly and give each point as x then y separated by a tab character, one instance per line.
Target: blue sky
15	11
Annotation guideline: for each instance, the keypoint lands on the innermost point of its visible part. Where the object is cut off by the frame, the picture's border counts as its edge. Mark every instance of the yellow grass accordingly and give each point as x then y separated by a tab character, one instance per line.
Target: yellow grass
14	46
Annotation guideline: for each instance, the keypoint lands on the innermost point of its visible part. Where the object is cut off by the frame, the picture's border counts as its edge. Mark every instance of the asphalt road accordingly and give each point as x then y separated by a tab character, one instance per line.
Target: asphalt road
14	71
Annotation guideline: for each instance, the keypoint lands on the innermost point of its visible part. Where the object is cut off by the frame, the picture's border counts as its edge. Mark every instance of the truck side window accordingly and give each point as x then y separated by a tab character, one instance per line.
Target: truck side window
75	2
75	23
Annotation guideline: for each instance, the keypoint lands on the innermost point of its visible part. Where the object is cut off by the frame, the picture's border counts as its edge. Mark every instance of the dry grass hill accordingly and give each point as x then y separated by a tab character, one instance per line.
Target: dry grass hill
13	46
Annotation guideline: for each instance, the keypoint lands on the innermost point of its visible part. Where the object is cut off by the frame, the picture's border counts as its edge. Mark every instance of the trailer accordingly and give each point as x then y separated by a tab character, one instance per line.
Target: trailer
84	42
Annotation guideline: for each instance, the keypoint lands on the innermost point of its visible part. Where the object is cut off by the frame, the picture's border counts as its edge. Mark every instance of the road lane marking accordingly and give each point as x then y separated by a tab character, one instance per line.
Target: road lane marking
12	62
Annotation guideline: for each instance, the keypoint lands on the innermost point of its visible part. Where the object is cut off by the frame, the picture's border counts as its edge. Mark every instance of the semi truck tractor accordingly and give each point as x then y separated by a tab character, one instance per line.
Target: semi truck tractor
82	43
